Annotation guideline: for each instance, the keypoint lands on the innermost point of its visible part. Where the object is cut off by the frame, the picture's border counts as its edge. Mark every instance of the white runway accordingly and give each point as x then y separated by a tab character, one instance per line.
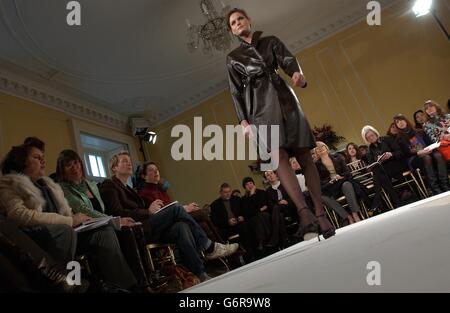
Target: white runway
411	245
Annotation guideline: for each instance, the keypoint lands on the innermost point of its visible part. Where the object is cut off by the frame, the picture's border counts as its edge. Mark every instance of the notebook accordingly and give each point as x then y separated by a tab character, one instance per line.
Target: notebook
166	206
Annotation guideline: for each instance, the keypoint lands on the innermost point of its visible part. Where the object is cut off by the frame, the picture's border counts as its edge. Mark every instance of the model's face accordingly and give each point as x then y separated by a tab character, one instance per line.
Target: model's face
431	110
124	166
351	150
240	25
401	124
72	171
152	174
371	137
271	177
421	117
35	164
225	193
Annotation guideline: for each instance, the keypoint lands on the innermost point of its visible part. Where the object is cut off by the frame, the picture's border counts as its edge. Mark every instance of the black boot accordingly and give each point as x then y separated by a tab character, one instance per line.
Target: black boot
44	275
432	179
443	179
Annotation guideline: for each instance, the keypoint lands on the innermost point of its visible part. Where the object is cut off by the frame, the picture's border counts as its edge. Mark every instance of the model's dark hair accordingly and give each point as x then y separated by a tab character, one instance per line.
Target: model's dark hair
232	12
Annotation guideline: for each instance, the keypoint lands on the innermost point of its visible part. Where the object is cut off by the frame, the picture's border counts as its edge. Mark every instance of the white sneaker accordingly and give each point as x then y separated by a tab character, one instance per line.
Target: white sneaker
222	251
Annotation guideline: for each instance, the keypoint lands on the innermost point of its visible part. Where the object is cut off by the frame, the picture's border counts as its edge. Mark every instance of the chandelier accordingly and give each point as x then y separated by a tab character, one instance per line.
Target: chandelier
214	33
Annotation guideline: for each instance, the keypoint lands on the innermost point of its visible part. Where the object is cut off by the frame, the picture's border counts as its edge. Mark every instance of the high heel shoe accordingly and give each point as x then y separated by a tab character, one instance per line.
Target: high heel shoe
329	231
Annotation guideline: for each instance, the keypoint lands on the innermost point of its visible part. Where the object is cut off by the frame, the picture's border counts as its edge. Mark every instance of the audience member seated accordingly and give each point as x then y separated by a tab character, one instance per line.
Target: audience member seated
37	205
392	131
152	190
236	193
420	118
391	163
280	205
226	214
25	267
412	142
328	201
84	197
336	179
363	150
352	154
438	123
171	225
256	211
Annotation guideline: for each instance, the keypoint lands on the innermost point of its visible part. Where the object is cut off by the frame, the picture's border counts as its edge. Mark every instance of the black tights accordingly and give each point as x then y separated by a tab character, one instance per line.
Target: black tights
290	183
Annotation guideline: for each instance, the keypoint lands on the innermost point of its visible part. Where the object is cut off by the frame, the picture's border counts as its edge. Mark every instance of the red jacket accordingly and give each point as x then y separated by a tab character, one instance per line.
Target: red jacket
152	192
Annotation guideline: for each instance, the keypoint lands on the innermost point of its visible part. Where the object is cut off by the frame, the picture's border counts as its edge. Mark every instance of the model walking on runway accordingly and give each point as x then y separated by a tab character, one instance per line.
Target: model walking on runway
262	97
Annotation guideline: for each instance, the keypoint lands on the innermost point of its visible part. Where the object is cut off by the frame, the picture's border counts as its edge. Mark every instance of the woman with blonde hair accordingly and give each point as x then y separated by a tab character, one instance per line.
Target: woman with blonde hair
390	163
336	179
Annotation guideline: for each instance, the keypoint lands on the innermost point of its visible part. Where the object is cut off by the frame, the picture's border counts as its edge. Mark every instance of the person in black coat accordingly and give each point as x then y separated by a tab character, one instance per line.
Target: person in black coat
226	214
391	163
413	143
256	211
336	179
280	205
261	97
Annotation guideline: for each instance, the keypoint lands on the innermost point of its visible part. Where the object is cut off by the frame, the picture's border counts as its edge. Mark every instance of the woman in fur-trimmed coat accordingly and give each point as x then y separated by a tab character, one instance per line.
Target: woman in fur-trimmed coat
37	205
23	203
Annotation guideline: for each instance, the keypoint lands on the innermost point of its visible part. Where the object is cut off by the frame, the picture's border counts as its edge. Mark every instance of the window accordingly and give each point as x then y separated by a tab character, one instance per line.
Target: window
94	165
97	153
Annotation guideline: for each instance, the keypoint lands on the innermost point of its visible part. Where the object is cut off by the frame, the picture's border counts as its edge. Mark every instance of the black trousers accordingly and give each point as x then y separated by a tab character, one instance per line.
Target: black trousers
132	242
382	180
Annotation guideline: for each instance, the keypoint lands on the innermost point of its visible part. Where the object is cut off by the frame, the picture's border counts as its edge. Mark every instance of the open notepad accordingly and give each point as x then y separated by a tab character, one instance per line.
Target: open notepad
165	207
378	161
99	222
432	146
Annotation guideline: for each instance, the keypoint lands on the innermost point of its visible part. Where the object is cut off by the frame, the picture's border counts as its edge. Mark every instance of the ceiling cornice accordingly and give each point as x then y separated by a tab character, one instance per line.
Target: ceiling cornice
20	87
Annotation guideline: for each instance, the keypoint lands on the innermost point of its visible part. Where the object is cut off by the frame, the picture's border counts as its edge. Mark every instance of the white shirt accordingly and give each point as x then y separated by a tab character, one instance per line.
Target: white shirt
302	182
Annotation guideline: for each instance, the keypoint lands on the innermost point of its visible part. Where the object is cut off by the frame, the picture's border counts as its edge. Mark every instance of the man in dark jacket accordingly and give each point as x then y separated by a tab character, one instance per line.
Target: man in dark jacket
226	214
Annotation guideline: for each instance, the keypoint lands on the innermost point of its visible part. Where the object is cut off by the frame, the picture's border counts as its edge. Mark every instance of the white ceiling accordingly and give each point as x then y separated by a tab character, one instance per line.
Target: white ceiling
130	56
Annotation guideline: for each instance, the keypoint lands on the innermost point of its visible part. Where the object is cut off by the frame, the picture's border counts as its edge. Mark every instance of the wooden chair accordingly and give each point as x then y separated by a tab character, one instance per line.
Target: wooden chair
162	253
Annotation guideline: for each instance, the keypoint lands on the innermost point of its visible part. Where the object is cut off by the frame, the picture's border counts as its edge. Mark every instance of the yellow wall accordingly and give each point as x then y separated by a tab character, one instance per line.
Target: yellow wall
363	75
20	118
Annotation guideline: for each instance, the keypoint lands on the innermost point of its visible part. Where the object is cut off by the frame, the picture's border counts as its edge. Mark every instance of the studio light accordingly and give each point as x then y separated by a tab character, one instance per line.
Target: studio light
422	7
151	137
